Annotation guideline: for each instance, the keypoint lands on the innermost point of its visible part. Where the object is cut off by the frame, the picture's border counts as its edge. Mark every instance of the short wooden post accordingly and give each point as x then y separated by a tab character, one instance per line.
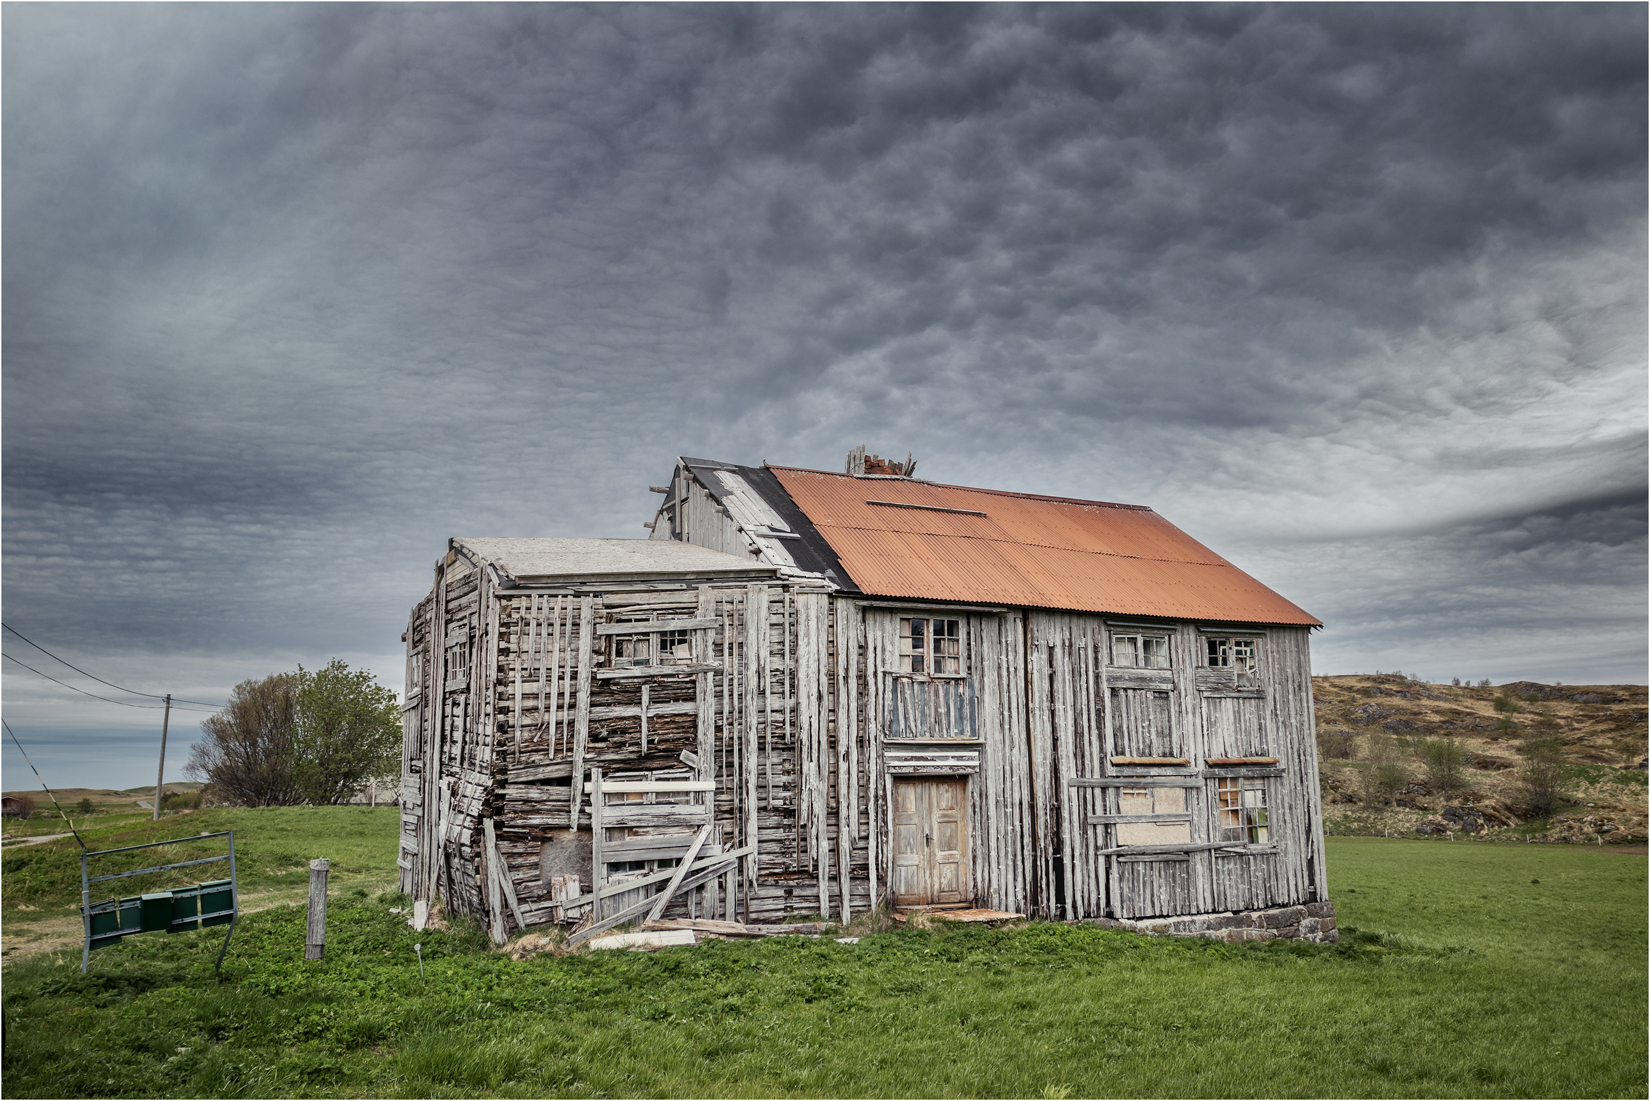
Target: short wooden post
315	938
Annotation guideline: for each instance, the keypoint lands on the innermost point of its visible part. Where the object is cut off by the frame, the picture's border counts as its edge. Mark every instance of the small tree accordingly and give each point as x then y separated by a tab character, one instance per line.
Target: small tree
251	746
1507	706
349	731
85	805
1444	762
1542	779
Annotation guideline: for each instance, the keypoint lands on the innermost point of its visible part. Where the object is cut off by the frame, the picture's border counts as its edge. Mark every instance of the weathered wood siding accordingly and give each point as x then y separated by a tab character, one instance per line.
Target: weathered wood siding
796	711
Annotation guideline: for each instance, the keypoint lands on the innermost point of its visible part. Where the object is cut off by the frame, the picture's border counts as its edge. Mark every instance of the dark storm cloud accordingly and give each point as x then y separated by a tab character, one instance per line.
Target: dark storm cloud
292	293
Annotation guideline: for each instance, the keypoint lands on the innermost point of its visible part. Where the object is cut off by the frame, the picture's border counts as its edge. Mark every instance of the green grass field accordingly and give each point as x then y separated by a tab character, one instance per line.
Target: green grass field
1468	970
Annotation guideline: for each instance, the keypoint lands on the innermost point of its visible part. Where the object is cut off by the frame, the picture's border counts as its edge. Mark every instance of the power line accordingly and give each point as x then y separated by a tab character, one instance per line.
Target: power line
105	699
94	676
42	780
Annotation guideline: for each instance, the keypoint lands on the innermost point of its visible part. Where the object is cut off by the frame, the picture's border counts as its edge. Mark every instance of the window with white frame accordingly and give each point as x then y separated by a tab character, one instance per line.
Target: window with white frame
648	648
1244	819
1236	654
1140	651
931	646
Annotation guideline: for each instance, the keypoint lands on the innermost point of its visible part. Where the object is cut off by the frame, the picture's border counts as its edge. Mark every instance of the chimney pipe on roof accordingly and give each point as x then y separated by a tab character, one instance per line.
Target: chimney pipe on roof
860	464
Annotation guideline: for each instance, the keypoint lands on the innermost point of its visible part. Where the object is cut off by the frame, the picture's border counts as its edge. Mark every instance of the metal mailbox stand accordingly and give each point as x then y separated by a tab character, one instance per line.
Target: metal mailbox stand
198	919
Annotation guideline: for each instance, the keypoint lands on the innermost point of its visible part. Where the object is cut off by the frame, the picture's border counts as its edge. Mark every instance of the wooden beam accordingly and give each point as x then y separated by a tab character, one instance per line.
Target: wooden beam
655	626
681	873
626	786
1135	782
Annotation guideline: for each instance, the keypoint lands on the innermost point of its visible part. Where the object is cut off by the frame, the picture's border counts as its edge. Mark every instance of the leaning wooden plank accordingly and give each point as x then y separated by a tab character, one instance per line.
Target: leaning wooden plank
631	912
495	907
681	873
504	882
1113	819
720	862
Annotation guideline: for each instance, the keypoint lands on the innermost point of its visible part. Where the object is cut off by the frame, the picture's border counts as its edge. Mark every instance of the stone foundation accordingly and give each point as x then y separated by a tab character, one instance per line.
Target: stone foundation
1313	921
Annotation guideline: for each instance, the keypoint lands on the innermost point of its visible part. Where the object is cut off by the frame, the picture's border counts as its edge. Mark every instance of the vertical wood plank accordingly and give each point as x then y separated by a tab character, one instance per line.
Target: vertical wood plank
598	867
581	728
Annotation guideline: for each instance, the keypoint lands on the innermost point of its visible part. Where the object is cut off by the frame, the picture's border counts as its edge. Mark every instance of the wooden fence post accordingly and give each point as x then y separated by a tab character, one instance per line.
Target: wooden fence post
315	937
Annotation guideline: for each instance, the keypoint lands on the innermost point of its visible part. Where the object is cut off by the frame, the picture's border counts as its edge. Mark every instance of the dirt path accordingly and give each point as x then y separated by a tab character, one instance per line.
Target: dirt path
19	842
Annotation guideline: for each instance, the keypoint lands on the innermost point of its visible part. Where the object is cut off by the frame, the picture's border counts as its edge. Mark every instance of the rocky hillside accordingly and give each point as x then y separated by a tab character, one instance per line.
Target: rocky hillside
1365	722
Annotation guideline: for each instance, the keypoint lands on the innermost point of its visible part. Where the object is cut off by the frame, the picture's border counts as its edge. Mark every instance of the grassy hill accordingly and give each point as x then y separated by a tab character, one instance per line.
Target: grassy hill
1366	720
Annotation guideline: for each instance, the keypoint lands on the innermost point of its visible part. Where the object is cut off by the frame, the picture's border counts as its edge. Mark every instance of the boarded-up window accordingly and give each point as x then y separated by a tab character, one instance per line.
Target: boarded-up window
932	646
1234	727
1142	651
1142	723
931	708
1244	819
1153	801
1236	654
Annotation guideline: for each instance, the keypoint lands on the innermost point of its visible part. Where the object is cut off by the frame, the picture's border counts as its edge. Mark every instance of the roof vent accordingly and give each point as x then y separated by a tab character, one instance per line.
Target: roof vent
860	464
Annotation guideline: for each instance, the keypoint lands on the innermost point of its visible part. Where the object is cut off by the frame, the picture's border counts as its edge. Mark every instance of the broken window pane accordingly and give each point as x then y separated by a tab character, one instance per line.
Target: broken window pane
1237	654
1244	819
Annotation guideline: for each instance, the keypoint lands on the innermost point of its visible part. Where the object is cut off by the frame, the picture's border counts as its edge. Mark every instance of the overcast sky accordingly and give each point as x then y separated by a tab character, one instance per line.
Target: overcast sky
1355	295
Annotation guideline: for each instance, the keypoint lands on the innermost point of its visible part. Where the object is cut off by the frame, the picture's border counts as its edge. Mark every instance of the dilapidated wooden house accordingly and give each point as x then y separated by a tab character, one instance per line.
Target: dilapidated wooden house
813	693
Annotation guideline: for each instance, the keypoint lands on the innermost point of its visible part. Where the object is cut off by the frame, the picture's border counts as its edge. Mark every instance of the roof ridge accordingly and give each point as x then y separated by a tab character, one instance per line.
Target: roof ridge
971	489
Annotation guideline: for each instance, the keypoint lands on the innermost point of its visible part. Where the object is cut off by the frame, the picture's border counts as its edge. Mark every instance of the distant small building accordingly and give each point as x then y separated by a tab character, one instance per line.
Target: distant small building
860	689
14	807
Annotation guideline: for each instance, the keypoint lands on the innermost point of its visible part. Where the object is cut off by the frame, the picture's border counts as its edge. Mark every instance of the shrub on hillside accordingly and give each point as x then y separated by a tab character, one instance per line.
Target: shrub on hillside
1387	775
1542	785
1507	705
1444	761
1338	745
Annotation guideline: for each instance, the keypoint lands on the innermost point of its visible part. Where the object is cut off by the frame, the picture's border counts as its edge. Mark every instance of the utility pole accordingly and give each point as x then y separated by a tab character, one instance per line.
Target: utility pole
160	777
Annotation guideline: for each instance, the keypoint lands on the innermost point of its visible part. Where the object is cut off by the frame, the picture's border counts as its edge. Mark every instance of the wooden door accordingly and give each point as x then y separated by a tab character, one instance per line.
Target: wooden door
930	842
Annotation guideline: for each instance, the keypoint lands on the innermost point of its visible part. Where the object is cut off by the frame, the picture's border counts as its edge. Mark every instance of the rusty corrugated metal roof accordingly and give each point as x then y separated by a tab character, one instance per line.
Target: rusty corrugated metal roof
991	547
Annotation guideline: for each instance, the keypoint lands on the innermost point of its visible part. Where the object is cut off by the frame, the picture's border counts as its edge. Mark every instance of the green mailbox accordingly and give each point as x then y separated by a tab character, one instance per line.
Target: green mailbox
179	910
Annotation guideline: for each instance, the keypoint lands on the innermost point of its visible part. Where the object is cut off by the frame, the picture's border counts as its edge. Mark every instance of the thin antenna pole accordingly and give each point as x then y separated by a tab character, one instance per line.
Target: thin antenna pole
165	721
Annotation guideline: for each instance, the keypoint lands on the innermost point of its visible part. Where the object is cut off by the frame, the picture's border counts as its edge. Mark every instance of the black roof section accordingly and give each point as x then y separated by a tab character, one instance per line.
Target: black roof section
811	552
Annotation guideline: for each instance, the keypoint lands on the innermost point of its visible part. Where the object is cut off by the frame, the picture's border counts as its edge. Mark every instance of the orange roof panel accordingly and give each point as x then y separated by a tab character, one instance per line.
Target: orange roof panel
990	547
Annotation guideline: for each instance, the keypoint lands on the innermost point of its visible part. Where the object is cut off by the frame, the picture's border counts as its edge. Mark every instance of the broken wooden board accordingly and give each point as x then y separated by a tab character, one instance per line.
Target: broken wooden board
968	916
738	928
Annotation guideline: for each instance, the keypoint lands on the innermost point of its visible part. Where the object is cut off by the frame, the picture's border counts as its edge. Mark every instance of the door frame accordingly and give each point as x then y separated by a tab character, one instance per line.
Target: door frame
965	855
